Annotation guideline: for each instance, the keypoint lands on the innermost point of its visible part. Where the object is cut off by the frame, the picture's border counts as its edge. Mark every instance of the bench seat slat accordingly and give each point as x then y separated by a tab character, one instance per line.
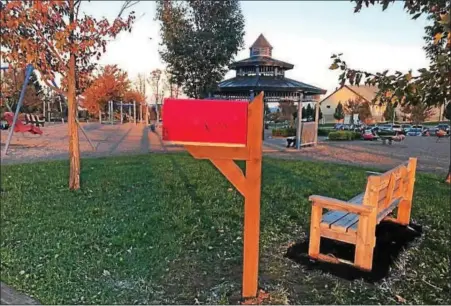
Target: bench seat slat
344	223
382	214
333	217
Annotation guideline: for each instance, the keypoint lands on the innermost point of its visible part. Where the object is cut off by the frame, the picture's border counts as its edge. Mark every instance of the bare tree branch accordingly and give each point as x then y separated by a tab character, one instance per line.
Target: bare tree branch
59	91
77	8
126	5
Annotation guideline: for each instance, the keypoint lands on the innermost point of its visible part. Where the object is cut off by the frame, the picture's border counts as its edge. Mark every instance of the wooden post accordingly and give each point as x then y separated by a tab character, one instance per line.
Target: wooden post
248	185
316	121
100	116
111	113
122	121
61	110
134	112
299	123
43	109
140	113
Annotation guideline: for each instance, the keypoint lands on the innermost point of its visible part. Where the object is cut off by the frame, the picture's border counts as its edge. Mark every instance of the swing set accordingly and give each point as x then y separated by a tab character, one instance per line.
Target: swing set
16	125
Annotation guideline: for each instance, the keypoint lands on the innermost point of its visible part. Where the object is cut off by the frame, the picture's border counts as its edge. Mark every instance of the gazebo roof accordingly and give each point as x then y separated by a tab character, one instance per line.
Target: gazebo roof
247	83
261	61
261	42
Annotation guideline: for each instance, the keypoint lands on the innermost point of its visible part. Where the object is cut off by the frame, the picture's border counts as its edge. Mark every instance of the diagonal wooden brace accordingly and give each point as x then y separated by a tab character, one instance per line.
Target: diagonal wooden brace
233	173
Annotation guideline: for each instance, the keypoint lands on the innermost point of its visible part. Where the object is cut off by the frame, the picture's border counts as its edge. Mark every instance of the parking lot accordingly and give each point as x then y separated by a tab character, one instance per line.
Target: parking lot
432	156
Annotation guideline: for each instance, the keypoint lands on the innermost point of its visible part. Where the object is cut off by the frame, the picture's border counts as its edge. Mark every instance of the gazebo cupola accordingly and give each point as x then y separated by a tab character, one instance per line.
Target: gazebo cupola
261	47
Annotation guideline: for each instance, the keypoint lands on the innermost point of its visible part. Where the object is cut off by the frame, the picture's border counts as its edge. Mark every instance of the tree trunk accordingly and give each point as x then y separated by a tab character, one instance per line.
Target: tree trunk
74	149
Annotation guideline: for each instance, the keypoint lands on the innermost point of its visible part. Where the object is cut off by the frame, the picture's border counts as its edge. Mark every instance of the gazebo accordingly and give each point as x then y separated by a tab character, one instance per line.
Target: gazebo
261	72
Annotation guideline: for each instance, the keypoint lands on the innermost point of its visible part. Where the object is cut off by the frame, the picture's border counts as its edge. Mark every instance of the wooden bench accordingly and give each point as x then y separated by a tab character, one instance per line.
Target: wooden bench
355	221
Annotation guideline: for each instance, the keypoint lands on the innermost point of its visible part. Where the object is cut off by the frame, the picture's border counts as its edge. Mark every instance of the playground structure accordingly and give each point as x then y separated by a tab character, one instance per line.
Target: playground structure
20	126
133	112
224	131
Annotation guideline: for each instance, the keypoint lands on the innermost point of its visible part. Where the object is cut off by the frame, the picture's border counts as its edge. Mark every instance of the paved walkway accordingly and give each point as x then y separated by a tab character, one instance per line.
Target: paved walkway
108	140
9	296
129	139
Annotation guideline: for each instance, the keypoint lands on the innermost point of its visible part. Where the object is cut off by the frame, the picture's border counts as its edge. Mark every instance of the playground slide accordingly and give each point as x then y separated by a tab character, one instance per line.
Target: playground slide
20	126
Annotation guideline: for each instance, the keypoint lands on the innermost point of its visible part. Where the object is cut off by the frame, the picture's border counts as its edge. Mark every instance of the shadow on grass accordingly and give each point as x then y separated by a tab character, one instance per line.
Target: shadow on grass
190	188
391	240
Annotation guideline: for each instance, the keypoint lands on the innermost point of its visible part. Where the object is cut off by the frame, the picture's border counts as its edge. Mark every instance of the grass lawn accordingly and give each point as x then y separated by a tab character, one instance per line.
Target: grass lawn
167	229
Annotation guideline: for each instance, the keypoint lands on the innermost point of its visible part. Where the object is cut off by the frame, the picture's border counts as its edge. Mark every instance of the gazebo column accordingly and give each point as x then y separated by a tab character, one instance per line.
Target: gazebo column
299	123
316	121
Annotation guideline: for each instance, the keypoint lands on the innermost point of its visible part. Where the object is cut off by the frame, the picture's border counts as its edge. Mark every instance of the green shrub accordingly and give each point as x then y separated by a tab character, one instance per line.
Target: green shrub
323	132
344	135
284	132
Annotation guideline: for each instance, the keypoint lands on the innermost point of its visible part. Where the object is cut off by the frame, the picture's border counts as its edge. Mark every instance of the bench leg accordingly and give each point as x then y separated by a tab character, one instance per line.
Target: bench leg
404	209
366	238
315	232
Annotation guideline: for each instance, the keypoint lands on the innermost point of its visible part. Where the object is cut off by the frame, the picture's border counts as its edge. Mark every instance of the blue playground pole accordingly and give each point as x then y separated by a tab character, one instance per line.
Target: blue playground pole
19	105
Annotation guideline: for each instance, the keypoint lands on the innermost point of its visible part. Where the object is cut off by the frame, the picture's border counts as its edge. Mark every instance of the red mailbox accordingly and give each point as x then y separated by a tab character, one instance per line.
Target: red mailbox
206	122
224	131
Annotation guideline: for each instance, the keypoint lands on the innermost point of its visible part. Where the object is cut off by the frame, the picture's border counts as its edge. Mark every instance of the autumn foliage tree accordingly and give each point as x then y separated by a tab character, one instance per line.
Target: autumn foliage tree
417	113
365	112
111	84
11	85
58	39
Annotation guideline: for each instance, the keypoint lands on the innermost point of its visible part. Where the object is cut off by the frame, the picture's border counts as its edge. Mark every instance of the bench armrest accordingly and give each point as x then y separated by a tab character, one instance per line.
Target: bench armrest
368	173
334	204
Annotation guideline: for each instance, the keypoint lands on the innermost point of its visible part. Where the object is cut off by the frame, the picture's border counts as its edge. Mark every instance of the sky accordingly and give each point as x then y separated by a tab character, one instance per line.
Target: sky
304	33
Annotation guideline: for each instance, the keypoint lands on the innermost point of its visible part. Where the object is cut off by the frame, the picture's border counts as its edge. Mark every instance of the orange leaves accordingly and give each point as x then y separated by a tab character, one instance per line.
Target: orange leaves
134	96
112	84
37	32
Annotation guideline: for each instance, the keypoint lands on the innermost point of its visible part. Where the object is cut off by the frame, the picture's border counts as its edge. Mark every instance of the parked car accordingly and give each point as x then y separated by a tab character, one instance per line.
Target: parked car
429	131
346	127
406	127
384	127
368	134
443	127
396	128
415	132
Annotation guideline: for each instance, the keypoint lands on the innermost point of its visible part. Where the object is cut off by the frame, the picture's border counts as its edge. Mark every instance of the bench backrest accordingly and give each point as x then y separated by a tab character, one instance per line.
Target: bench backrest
385	191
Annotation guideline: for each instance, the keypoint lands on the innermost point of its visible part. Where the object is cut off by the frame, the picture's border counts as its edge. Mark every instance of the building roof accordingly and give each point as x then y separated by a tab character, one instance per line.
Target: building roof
261	61
365	92
261	42
268	83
